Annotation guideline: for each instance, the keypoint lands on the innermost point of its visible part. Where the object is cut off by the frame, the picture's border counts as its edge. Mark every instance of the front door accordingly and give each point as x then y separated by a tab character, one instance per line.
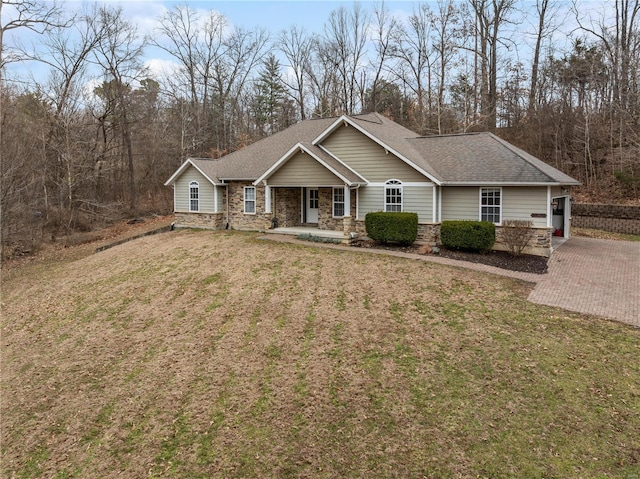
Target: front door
312	205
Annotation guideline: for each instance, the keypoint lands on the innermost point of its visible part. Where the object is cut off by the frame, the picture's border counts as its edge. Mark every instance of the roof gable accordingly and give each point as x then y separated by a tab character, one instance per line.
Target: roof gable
204	165
326	162
389	135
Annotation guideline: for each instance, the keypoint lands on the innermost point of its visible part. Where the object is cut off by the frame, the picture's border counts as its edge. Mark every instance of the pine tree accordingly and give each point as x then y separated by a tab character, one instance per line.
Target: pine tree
270	98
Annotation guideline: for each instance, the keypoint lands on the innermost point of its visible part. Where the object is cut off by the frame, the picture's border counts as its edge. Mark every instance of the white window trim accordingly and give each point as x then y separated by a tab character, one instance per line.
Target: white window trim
254	200
334	202
499	188
195	185
396	184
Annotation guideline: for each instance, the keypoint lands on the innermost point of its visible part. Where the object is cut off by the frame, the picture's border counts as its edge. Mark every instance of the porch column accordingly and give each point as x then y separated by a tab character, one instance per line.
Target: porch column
267	199
347	200
549	208
434	200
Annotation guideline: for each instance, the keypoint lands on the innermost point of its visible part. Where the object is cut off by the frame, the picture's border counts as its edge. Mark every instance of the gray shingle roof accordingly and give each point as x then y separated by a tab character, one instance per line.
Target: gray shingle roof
472	158
484	158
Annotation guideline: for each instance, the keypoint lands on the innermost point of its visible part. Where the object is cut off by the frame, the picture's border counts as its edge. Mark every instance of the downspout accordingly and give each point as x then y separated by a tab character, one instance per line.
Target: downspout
549	210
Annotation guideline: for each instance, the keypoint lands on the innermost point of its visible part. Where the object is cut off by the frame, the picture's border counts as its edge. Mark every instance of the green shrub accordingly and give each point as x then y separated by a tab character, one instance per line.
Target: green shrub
468	235
392	227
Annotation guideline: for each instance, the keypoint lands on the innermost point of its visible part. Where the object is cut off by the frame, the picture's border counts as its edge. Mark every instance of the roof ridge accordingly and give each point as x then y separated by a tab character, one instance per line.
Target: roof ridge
363	117
445	135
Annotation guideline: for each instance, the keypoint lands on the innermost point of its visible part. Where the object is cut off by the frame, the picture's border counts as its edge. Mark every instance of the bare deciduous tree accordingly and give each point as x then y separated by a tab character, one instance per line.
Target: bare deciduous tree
119	52
346	39
297	47
385	30
491	15
412	50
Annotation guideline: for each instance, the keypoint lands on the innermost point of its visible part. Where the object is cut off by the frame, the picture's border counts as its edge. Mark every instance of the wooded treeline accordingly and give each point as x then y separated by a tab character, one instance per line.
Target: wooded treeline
94	139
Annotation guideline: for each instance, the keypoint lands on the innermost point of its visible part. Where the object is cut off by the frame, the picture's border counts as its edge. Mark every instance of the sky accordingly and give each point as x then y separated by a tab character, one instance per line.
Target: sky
274	16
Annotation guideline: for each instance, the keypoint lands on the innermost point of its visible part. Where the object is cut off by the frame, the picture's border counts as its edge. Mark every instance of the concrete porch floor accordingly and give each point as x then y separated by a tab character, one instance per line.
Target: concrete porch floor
557	241
307	230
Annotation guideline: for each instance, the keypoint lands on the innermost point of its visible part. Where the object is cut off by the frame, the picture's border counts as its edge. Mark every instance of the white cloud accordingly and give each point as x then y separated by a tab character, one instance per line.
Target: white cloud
161	68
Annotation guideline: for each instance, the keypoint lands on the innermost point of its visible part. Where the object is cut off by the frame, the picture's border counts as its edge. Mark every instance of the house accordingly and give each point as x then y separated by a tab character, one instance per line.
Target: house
324	176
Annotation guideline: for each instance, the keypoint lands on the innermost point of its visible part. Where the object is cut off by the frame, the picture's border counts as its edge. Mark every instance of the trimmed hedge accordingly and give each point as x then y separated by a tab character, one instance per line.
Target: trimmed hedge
468	235
397	227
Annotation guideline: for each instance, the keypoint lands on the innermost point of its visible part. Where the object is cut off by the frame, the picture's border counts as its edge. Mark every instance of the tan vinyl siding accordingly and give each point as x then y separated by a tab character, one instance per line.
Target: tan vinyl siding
370	198
303	170
518	203
556	191
415	199
181	191
368	158
221	193
418	199
460	203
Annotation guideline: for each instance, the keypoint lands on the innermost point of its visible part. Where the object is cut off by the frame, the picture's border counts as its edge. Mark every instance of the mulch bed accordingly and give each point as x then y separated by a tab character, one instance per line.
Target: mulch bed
525	263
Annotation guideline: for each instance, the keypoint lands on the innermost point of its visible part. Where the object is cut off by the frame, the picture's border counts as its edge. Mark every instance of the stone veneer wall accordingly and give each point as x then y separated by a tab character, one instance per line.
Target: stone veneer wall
200	220
237	218
539	245
287	206
614	218
429	233
326	221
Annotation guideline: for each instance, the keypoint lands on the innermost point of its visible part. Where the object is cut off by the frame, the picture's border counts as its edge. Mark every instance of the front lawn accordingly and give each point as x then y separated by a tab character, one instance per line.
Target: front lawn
197	354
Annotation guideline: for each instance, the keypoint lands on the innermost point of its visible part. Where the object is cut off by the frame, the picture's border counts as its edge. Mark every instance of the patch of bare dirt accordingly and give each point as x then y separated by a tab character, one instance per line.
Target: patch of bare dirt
598	234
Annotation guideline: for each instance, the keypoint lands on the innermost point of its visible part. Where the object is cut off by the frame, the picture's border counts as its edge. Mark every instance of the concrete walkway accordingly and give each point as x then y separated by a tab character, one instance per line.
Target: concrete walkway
590	276
594	276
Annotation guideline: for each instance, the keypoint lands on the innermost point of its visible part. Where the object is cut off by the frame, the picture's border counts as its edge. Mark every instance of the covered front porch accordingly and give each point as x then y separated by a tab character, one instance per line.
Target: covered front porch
309	231
323	208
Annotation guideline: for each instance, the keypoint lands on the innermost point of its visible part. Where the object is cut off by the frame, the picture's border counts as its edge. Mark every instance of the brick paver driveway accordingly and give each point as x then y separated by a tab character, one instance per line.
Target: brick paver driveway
593	276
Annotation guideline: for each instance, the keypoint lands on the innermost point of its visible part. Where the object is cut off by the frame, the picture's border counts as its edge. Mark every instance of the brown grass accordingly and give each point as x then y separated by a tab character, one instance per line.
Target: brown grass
202	354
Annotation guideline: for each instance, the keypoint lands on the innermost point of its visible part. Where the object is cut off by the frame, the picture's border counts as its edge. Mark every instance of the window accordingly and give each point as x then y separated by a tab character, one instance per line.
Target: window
338	202
393	195
249	200
314	198
491	205
194	196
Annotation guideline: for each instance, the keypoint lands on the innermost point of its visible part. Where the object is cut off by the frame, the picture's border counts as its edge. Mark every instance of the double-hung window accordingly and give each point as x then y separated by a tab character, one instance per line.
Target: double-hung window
338	202
250	200
194	196
491	205
393	195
